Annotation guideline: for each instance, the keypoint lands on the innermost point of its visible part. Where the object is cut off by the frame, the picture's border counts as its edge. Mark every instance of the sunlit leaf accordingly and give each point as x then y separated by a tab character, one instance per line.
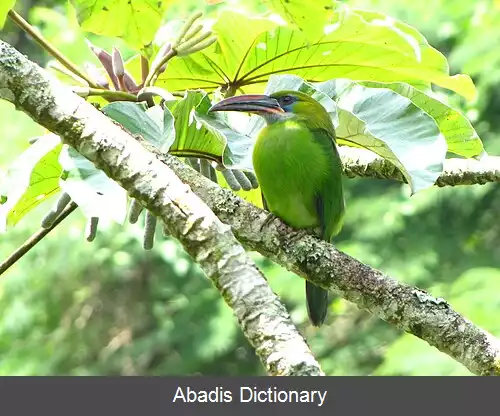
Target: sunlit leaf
461	137
135	21
391	126
31	179
354	48
94	192
192	136
5	6
310	17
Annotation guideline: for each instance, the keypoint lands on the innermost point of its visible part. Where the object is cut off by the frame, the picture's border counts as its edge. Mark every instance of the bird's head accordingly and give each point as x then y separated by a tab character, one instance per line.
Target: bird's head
281	105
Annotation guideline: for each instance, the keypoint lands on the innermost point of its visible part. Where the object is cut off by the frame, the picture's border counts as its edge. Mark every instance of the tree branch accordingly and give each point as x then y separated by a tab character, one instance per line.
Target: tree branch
408	308
264	320
363	163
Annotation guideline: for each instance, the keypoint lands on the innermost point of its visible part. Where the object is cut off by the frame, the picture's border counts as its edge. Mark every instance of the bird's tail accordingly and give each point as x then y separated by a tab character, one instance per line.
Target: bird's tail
317	303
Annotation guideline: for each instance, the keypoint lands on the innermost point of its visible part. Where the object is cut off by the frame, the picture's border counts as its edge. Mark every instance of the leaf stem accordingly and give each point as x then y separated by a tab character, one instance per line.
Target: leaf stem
107	94
45	44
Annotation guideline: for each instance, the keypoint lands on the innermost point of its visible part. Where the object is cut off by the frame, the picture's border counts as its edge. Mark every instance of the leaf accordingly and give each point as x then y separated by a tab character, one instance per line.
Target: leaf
354	48
135	21
214	66
5	6
236	153
164	119
156	125
31	179
461	137
182	127
309	17
193	137
212	136
95	193
391	126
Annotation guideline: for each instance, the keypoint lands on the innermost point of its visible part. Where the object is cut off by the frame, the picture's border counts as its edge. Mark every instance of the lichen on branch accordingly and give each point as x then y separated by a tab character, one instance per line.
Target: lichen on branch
149	177
262	317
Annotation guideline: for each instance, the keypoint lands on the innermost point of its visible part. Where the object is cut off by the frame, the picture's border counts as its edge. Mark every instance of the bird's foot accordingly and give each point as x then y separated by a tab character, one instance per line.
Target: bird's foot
269	219
295	237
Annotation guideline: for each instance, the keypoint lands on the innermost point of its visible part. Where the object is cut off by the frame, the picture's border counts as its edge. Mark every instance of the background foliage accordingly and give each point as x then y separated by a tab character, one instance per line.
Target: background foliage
70	307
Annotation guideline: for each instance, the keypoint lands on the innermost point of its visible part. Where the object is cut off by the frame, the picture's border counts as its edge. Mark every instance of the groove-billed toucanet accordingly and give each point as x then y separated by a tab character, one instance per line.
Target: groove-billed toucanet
298	168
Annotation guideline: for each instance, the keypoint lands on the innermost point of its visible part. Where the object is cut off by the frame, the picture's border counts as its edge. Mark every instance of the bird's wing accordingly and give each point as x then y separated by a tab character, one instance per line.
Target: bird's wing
330	198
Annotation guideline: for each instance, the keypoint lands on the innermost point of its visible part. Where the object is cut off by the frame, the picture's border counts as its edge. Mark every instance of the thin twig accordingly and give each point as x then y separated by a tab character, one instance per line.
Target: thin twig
35	239
45	44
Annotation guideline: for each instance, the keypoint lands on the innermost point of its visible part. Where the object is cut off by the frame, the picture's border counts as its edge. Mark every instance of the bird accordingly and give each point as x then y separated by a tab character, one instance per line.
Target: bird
298	168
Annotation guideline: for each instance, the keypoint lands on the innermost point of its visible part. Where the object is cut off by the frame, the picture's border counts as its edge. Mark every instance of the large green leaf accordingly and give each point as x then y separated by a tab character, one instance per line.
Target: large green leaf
31	179
95	193
391	126
236	153
135	21
5	6
223	137
354	48
310	17
461	137
193	137
182	127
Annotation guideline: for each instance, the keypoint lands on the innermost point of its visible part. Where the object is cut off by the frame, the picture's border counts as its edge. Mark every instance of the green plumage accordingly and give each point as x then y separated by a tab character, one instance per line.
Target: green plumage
299	171
298	168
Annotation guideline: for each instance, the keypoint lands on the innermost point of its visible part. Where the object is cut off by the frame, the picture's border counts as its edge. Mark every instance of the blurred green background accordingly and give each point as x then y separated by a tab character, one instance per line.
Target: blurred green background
110	308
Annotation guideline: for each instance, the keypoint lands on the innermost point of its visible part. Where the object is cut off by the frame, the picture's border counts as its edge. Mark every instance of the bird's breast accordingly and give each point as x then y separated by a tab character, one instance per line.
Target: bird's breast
291	169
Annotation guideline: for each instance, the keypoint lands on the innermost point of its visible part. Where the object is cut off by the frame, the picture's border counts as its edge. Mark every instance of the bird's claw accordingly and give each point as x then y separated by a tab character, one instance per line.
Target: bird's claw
269	219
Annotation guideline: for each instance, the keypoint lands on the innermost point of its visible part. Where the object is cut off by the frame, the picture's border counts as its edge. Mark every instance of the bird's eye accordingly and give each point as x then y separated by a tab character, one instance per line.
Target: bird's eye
286	100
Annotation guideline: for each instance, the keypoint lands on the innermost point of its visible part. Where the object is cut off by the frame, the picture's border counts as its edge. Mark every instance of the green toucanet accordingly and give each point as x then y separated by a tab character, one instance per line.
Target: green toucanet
298	168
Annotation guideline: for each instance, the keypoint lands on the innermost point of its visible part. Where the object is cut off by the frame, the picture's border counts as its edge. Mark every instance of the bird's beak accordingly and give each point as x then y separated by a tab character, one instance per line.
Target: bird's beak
249	104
